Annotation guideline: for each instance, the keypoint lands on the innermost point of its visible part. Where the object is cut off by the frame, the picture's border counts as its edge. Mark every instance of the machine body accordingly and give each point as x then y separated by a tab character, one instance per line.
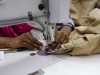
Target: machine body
41	14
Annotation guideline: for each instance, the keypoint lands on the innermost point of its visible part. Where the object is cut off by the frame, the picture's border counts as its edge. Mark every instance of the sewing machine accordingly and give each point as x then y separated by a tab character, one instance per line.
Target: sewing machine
43	15
21	63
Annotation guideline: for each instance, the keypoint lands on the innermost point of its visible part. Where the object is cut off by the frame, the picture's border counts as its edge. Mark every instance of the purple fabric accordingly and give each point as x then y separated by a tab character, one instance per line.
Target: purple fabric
70	24
15	30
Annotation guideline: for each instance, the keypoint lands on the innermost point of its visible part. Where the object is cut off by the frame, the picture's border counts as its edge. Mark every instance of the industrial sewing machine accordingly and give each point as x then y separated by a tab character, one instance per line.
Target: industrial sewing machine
17	11
43	15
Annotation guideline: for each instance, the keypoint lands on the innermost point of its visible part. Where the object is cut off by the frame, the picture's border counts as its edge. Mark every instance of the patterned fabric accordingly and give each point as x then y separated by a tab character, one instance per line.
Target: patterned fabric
15	30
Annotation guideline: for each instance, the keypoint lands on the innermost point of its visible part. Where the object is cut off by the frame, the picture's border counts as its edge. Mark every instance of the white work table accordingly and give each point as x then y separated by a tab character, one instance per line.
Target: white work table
22	63
75	65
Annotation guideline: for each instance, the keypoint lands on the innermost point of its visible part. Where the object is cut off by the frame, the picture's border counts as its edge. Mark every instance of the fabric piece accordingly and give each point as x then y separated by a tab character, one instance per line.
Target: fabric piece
15	30
79	9
84	40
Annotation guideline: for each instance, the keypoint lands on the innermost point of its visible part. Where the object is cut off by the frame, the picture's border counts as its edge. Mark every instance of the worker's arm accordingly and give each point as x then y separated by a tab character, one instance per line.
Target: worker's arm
62	37
5	42
63	33
66	29
24	40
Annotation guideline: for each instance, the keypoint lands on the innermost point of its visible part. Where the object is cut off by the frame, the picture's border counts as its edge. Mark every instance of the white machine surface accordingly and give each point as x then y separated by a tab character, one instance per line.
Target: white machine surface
75	65
13	9
22	63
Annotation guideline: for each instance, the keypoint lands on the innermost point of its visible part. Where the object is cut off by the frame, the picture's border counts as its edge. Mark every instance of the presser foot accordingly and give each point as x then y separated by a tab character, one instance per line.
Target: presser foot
43	52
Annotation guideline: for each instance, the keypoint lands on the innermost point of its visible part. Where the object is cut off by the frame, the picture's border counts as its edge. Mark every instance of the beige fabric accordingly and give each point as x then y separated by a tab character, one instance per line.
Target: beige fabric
84	40
80	8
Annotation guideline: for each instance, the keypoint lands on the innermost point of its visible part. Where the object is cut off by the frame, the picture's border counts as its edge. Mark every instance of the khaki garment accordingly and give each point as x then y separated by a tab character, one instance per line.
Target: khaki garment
84	40
80	8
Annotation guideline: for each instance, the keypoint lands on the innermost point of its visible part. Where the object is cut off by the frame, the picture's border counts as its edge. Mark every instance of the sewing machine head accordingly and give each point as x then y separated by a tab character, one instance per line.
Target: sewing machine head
42	14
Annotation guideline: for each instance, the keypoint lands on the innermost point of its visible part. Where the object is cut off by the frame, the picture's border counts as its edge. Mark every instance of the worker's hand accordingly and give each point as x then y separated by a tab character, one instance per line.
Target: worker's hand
26	40
62	38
